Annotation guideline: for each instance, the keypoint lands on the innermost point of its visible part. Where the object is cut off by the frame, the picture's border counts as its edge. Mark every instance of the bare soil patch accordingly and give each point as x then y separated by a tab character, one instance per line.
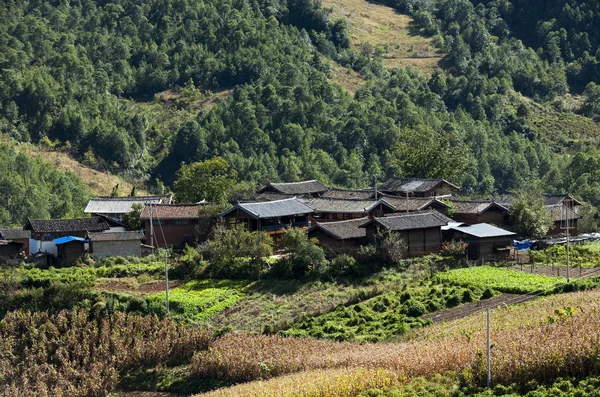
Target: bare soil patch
133	287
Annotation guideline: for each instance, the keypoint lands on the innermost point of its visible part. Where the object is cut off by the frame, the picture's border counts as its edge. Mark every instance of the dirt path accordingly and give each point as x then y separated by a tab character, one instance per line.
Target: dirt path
475	307
557	271
131	286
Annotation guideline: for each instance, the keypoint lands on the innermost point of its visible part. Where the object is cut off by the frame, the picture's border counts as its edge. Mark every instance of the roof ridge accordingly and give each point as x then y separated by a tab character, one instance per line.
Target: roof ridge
346	220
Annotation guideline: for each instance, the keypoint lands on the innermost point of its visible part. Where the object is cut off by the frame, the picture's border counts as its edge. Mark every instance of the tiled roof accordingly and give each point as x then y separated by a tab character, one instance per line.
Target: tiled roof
117	236
171	211
121	205
475	206
414	185
344	206
93	224
552	199
305	187
482	230
272	209
412	204
559	212
271	196
349	194
14	234
421	220
343	230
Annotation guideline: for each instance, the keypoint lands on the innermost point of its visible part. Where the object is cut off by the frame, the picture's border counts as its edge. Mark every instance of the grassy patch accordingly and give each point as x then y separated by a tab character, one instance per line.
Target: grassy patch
375	28
198	300
504	280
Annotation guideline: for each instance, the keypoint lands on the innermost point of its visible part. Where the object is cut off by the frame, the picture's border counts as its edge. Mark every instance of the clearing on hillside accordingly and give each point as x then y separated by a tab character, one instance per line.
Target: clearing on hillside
374	27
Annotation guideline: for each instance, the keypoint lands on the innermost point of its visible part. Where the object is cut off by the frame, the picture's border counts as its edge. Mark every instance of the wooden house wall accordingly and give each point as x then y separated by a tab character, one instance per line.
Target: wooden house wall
332	245
558	228
484	247
176	233
69	252
419	241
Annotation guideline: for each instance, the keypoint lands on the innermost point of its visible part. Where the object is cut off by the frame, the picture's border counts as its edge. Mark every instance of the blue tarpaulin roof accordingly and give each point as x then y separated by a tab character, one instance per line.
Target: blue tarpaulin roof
68	239
523	245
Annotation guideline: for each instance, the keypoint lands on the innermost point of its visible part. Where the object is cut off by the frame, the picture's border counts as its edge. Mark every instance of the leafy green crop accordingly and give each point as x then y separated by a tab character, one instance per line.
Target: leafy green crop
386	315
198	300
504	280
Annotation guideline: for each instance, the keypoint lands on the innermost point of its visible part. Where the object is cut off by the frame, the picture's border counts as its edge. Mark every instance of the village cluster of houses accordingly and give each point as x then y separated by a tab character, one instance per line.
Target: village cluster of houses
424	212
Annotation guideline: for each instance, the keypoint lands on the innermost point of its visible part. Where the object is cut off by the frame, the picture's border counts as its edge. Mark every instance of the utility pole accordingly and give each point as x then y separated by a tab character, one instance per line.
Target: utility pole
566	208
407	211
489	353
167	278
151	230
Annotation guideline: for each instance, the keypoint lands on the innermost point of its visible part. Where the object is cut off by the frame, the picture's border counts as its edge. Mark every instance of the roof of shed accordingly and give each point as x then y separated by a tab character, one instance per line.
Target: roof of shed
272	209
304	187
343	230
172	211
412	204
420	220
14	234
117	236
122	205
345	206
414	185
482	230
68	239
92	224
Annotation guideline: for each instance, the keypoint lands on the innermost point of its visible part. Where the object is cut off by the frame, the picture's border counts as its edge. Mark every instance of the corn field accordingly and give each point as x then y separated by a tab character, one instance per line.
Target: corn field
73	354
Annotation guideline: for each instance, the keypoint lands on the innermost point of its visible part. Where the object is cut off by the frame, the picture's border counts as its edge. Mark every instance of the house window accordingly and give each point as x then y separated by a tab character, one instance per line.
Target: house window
49	236
181	221
158	222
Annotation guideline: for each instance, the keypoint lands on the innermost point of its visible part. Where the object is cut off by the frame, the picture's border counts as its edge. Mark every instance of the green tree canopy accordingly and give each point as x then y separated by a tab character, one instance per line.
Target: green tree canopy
210	180
529	216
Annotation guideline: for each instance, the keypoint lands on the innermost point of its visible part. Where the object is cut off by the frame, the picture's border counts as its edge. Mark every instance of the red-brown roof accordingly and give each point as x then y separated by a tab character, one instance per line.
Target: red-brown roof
171	211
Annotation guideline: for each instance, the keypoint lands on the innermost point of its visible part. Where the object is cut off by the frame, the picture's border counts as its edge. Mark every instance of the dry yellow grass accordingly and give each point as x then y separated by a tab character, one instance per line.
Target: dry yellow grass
101	183
543	345
347	78
378	26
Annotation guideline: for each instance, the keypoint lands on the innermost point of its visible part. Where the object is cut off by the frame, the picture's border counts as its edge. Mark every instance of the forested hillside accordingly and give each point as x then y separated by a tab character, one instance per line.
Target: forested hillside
92	73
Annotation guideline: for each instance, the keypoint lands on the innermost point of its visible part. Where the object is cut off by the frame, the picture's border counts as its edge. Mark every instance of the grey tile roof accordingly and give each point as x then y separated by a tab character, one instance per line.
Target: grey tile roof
271	196
475	206
552	199
421	220
272	209
343	230
349	194
344	206
93	224
414	185
117	236
412	204
296	188
14	234
482	230
121	205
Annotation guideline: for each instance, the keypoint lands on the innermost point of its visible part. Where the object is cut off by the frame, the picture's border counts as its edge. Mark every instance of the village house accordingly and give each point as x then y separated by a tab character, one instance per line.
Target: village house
173	225
483	241
327	209
270	216
340	237
418	187
115	244
13	242
480	211
44	232
116	207
422	231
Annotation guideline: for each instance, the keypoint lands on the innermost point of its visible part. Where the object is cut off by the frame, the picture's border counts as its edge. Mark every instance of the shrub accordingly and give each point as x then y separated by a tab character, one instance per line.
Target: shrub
342	265
303	252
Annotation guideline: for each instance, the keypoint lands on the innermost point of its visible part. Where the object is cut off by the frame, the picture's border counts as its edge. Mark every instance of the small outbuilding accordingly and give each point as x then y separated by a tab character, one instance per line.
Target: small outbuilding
14	239
116	244
69	249
484	241
480	211
340	237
